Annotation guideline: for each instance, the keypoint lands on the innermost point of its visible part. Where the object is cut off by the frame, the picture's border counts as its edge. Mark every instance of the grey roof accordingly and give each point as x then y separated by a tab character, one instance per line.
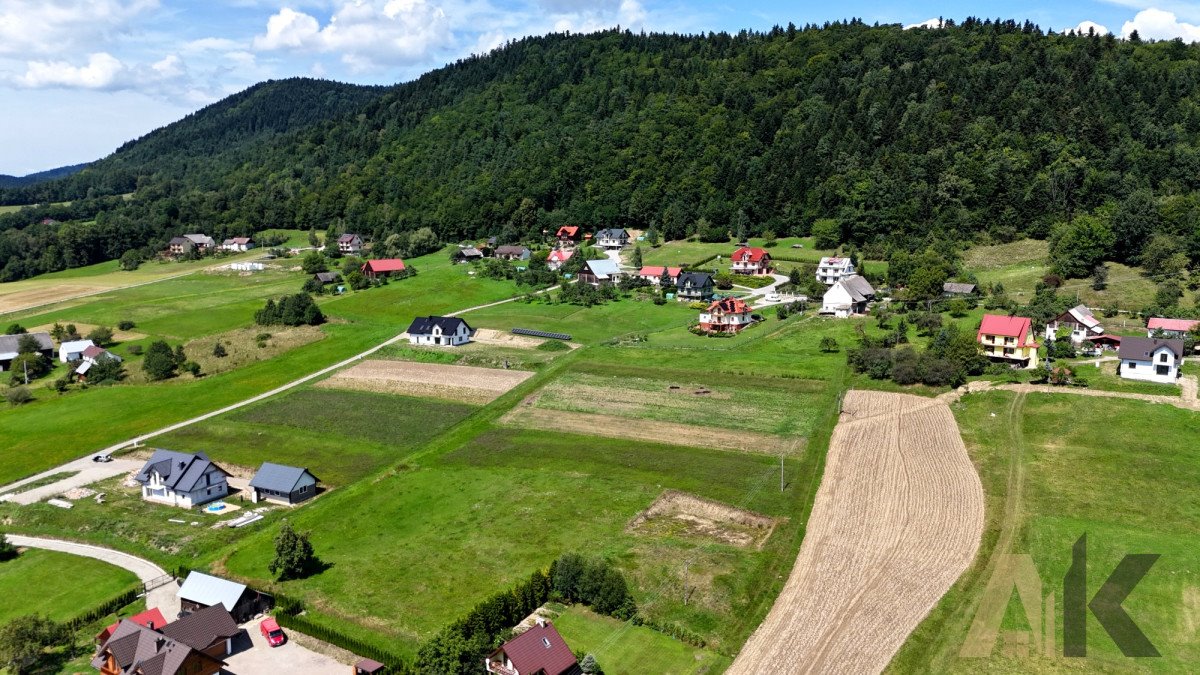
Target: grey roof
612	233
348	238
858	287
1083	315
180	471
199	238
1143	348
327	277
955	287
209	590
470	251
604	268
10	343
144	650
509	249
180	240
202	628
423	325
695	279
278	477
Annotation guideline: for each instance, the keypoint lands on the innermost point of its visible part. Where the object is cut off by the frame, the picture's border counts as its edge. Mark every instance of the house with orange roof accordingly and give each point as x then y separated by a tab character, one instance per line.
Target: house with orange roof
750	260
727	315
1008	339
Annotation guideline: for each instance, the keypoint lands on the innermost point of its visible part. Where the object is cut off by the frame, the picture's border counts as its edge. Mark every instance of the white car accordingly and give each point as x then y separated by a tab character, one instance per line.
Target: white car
773	297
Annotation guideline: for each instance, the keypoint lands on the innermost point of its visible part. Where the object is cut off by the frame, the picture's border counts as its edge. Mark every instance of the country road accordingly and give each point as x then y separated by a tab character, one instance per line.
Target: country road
86	463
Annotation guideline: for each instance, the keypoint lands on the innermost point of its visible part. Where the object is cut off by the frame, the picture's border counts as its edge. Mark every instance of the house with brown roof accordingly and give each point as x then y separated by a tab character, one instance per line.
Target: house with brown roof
1150	359
1079	321
209	630
237	244
133	649
750	260
151	618
511	252
538	651
350	244
727	315
568	235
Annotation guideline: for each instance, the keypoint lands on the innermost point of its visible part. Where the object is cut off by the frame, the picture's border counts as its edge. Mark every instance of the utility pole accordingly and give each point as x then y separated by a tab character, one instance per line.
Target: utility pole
26	364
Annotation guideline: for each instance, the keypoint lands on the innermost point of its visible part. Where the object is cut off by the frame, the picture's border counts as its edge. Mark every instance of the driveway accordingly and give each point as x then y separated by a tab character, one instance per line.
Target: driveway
164	597
759	294
253	656
88	472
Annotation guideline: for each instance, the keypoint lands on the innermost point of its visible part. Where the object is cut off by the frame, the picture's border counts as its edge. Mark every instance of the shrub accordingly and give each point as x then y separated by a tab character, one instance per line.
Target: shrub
134	350
101	335
294	557
160	363
15	329
291	310
219	351
126	324
7	550
18	395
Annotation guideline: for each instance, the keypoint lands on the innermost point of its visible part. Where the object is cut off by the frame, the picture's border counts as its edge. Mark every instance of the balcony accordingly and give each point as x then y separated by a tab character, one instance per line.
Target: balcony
499	668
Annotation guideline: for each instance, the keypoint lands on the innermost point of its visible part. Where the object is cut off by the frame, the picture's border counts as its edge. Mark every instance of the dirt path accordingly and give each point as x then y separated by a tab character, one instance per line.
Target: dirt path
1187	399
897	519
164	597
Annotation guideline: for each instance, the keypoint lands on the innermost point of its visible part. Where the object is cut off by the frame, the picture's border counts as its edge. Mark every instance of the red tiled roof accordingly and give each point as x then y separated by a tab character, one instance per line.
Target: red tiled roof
538	649
385	265
568	230
729	306
752	254
657	270
560	256
1183	325
146	618
1007	326
92	352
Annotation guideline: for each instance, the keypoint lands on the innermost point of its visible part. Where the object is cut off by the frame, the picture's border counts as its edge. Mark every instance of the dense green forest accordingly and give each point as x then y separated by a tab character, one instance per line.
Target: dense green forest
983	131
7	181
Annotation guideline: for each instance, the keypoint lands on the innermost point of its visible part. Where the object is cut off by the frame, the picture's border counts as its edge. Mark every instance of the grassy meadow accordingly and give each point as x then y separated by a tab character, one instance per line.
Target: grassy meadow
1050	475
622	649
57	585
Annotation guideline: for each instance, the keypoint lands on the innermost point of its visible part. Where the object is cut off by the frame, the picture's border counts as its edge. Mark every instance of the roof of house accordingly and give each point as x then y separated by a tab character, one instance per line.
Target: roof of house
175	241
538	649
327	277
9	344
1007	326
559	255
657	271
510	249
73	346
1106	338
279	477
199	238
384	265
209	590
470	252
751	253
694	278
1143	348
203	627
604	269
857	286
612	233
1182	325
93	351
147	652
956	287
237	240
348	238
729	306
180	471
151	618
423	325
834	261
1083	316
569	230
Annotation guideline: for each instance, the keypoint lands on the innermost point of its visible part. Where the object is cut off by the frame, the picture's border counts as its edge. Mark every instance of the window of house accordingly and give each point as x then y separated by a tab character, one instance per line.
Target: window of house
1164	370
1162	357
1131	365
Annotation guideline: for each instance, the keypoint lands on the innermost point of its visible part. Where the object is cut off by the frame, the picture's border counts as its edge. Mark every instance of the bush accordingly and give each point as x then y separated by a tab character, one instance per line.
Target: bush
219	351
134	350
101	335
32	365
294	557
7	550
291	310
126	324
160	363
15	329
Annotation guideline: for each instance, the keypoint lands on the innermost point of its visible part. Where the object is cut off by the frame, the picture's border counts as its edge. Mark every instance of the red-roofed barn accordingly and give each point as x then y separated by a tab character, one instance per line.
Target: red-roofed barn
384	267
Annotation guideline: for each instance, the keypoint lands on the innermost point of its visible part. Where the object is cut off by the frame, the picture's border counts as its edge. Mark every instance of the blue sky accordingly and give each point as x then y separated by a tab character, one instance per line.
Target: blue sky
80	77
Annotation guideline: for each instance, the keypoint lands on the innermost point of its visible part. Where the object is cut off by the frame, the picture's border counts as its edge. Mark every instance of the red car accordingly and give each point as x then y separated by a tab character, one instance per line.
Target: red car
272	632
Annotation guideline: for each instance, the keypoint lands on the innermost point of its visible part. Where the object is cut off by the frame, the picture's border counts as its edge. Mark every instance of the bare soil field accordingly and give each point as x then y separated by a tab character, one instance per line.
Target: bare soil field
897	520
676	512
488	336
528	416
18	300
456	383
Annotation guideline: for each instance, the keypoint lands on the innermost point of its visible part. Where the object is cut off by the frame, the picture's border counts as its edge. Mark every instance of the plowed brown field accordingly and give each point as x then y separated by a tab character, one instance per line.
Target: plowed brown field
897	519
435	380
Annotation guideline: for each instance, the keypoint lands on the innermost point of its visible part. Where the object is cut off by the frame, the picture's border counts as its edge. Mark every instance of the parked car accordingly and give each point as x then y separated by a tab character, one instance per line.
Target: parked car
773	297
102	458
272	632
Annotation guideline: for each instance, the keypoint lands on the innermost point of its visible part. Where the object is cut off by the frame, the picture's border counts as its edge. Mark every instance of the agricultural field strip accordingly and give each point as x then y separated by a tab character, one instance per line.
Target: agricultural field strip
467	383
897	519
85	461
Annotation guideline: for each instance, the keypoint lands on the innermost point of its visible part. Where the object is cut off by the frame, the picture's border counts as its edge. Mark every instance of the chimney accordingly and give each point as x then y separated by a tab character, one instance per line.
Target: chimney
150	624
158	643
541	622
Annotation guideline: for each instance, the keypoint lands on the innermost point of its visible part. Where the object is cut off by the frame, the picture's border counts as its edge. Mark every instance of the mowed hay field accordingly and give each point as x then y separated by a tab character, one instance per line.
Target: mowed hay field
897	519
454	383
1056	467
57	585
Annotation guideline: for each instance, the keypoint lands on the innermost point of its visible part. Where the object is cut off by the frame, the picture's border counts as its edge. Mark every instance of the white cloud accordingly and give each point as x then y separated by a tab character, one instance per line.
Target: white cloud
1158	24
1085	26
101	72
366	33
927	23
170	67
56	26
211	44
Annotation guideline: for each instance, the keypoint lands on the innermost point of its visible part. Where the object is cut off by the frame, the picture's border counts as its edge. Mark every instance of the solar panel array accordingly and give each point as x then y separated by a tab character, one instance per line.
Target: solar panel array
541	333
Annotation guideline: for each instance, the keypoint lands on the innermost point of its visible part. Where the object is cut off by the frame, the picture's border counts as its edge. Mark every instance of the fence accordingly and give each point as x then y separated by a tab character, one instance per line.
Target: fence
288	615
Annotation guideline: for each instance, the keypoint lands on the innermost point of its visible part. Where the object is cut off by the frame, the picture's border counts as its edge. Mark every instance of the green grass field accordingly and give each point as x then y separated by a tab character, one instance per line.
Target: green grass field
623	649
57	585
1128	483
588	325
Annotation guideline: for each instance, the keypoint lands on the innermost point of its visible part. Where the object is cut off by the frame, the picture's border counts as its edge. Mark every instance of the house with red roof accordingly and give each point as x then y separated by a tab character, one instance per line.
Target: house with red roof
568	235
654	273
1008	339
1170	328
750	260
727	315
382	267
558	257
151	618
538	651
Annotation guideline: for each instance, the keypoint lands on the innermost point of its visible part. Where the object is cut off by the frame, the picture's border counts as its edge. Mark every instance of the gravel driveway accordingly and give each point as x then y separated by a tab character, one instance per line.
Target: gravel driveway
291	658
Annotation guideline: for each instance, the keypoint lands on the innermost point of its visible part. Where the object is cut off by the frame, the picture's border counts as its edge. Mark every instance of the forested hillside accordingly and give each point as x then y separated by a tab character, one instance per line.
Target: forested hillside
7	181
986	131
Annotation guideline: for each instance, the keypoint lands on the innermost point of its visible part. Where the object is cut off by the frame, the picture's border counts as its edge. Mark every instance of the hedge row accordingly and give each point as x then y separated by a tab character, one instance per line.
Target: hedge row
287	614
103	609
698	263
684	635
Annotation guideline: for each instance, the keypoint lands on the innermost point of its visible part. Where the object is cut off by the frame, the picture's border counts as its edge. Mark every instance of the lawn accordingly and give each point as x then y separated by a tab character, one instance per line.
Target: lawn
1105	378
588	325
58	585
624	649
1128	484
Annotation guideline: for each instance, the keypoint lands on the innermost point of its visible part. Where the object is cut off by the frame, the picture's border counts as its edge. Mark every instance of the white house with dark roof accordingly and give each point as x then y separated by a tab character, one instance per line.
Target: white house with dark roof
1150	359
848	297
350	244
282	484
1079	320
182	479
612	238
237	244
439	330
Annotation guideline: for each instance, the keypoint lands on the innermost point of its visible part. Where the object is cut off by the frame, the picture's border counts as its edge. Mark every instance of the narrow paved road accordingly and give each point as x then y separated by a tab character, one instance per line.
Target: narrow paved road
165	597
85	462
